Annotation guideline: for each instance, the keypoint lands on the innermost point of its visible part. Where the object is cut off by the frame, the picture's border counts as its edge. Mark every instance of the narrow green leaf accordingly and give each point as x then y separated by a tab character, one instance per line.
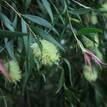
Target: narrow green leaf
26	3
47	36
69	69
78	11
61	81
48	8
38	20
59	13
6	21
24	30
85	31
9	47
15	21
10	34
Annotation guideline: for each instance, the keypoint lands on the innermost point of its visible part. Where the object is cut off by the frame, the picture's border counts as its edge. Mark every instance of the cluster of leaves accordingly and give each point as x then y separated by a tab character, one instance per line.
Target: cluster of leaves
72	26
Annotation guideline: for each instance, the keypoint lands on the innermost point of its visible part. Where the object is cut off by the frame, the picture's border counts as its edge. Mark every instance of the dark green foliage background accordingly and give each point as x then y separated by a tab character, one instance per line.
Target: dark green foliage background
63	85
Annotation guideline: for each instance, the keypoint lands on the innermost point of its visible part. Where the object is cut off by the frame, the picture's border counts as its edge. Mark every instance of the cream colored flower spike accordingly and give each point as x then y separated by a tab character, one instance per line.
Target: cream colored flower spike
14	71
49	54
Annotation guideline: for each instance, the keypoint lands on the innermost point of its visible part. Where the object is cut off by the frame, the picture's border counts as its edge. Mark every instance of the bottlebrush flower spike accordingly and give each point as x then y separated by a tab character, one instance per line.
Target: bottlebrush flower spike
90	73
49	55
3	70
14	71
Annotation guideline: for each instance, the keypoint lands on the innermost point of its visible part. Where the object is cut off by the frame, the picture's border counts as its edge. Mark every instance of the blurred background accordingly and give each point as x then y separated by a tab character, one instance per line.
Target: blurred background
78	28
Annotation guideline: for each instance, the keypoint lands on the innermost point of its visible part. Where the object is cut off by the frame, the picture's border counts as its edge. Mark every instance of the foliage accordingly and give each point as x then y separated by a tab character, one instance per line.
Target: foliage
76	33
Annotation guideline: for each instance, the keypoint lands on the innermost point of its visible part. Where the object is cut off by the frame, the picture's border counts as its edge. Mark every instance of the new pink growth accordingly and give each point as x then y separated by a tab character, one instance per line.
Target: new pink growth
3	70
87	59
88	56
